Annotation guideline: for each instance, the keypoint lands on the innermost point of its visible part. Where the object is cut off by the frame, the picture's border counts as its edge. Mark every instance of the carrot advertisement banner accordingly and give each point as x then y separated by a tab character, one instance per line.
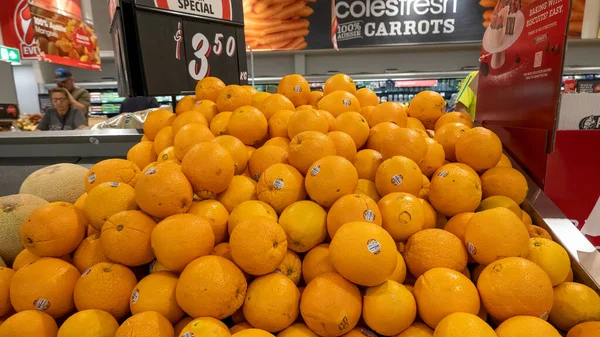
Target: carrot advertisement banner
65	40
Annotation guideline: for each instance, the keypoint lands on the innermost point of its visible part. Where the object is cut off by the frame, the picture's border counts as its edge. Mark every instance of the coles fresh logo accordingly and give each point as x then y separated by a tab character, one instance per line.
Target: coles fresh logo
24	29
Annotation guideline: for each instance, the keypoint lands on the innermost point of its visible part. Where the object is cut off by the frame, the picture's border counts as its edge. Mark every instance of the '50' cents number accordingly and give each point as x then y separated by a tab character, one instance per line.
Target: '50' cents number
200	68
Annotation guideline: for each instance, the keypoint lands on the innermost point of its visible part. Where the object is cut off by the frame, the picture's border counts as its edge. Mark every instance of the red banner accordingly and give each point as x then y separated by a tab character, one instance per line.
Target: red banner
65	40
17	24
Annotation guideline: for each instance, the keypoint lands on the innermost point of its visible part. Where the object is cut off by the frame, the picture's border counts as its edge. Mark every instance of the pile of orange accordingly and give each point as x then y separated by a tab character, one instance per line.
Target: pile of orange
297	214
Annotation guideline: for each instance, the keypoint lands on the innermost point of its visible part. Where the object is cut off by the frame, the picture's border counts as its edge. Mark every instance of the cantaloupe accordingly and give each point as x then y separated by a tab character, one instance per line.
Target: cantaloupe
13	211
60	182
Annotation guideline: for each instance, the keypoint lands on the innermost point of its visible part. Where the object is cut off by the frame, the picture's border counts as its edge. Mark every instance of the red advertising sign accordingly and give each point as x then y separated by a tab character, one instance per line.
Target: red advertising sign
17	25
65	40
520	77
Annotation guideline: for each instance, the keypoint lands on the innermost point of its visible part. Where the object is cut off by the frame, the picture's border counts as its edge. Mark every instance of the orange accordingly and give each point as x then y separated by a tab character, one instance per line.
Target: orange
223	250
432	248
279	122
587	329
186	103
330	119
237	149
53	230
291	267
258	245
365	111
515	286
307	120
457	225
216	214
526	326
205	326
144	139
156	292
413	123
573	303
272	302
89	253
351	208
500	201
448	135
6	275
275	103
24	258
188	136
360	332
389	308
454	189
232	97
252	333
308	147
304	223
526	218
250	89
317	262
398	174
142	154
417	329
434	157
264	157
367	97
107	199
216	294
125	238
538	232
167	155
258	100
402	215
296	88
119	170
146	324
338	102
179	326
504	181
389	112
297	330
460	324
504	161
29	323
330	178
479	148
282	142
339	82
424	193
249	209
105	286
209	167
368	188
248	124
453	117
363	253
496	233
180	239
240	189
355	125
163	191
427	106
46	285
399	274
366	163
378	135
189	117
89	323
208	88
429	214
280	185
314	98
156	120
344	144
404	142
331	305
440	292
551	257
206	108
219	124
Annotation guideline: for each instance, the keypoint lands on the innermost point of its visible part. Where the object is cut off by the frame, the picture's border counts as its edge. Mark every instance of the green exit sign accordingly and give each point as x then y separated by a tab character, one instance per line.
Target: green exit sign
9	54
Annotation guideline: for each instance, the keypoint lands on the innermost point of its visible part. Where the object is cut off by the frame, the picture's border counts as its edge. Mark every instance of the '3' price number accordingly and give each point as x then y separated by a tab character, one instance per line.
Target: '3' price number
200	68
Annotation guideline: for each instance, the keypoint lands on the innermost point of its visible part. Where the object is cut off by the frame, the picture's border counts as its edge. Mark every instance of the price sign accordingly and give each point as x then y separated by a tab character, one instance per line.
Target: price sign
177	47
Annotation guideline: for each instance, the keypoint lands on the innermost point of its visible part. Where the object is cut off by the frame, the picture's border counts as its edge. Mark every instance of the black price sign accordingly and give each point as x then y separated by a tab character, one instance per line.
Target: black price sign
179	44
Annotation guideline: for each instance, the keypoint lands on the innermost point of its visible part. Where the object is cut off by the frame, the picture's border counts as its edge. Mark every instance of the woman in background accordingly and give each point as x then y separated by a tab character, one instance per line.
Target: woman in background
62	116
